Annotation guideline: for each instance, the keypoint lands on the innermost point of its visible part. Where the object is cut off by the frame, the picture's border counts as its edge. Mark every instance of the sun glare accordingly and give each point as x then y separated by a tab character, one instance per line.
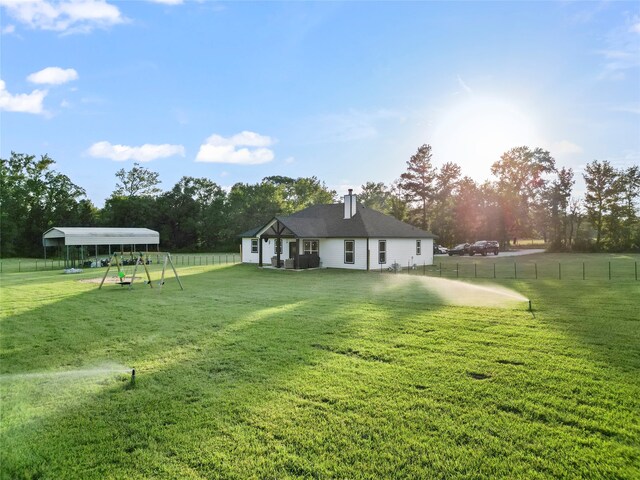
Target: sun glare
474	134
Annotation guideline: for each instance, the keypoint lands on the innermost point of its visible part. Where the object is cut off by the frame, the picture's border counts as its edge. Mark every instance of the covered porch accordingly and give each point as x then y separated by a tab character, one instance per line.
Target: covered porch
290	254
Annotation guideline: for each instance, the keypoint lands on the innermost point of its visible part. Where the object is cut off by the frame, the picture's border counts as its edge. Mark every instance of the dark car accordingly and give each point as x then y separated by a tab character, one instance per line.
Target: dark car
461	249
483	247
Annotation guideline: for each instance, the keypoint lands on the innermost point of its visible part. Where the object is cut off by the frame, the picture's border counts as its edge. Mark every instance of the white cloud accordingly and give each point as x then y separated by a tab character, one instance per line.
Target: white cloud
53	76
218	149
68	16
622	52
22	102
464	86
144	153
352	125
8	29
167	2
565	147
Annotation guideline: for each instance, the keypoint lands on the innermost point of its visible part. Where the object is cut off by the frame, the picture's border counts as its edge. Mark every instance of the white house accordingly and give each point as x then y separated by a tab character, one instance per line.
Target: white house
346	235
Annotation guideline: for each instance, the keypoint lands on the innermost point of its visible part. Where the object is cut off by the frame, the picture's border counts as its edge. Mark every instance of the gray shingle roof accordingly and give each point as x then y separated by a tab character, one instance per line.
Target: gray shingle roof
326	221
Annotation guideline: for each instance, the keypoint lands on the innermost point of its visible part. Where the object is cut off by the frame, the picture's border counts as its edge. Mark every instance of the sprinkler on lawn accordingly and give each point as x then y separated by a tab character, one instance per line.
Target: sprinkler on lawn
530	307
133	377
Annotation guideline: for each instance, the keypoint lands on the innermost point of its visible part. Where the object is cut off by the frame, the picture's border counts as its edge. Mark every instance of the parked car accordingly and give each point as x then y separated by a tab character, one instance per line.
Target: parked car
484	247
439	249
461	249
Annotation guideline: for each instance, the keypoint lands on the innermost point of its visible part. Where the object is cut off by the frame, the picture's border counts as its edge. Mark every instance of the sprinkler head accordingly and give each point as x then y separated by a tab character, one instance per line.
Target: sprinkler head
133	376
530	307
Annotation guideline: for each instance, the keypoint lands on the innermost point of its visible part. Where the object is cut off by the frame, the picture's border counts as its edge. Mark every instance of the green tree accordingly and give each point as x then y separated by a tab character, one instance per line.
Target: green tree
399	205
418	184
192	214
602	194
34	198
442	213
520	184
557	197
300	193
139	181
253	205
134	202
376	196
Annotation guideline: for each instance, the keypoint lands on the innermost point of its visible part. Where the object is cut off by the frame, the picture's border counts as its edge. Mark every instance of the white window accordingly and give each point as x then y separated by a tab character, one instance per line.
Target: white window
382	251
349	251
418	247
310	246
254	245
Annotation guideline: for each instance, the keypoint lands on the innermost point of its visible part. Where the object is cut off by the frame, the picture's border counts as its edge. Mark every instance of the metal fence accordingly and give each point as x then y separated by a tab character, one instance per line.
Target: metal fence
597	270
35	265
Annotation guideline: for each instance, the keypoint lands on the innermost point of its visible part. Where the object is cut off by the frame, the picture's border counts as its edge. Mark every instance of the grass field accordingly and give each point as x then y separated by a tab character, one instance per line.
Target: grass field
252	373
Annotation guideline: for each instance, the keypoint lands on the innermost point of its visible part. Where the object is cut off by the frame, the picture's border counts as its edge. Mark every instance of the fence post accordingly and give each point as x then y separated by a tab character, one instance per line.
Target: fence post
36	265
475	270
19	269
559	271
609	270
457	270
494	270
535	265
440	268
515	270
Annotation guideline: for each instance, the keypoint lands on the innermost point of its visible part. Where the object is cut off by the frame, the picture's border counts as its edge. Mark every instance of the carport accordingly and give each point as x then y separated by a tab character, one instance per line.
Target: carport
64	237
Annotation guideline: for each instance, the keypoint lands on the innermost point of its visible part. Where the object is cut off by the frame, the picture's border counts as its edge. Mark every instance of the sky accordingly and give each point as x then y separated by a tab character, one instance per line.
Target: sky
344	91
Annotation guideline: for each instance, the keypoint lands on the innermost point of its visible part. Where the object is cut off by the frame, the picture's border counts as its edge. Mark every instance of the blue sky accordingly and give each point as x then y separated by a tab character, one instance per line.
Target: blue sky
345	91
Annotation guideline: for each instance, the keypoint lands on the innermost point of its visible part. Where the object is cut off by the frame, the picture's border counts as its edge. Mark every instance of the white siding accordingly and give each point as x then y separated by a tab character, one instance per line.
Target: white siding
332	253
400	250
268	251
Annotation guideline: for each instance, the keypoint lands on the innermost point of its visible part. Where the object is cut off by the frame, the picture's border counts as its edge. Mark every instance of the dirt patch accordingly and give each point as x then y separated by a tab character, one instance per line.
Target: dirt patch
110	279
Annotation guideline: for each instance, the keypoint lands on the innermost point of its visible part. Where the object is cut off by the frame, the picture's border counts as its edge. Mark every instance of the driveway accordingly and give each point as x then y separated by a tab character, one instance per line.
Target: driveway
512	253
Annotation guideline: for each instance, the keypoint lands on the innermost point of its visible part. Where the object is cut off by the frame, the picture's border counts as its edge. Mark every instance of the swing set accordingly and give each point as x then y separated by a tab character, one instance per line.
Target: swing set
125	260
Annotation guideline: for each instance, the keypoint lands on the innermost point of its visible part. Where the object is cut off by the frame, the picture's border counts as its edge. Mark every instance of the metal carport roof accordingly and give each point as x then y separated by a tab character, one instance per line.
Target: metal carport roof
66	236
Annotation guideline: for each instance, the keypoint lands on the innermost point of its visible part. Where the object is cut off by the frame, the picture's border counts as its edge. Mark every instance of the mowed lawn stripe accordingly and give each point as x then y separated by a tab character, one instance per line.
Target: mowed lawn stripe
267	374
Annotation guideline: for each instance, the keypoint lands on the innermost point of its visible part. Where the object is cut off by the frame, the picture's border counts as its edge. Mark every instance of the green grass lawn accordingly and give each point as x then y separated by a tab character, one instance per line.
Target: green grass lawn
252	373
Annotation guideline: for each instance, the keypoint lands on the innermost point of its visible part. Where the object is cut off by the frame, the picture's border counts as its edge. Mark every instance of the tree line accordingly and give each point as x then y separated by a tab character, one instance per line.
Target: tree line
530	197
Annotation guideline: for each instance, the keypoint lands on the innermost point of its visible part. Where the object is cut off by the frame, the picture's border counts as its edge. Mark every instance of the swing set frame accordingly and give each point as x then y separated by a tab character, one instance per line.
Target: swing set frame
139	258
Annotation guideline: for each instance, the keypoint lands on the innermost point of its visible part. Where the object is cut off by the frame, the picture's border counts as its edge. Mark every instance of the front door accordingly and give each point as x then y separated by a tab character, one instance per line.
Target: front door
293	250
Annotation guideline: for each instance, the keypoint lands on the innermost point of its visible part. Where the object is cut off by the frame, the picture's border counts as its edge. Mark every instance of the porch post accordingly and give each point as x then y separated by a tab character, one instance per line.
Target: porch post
297	253
368	255
278	244
260	251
